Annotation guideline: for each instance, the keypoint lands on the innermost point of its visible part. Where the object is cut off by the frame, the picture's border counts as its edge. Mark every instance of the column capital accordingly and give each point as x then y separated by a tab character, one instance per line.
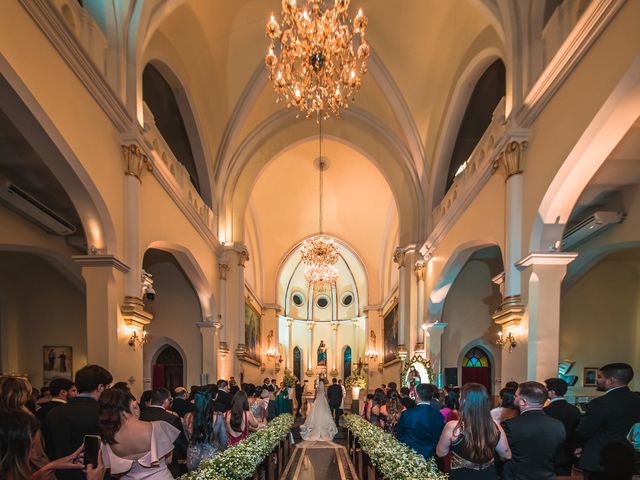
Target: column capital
134	314
510	312
136	161
399	256
310	325
240	250
101	261
512	158
206	325
223	270
546	258
335	326
419	269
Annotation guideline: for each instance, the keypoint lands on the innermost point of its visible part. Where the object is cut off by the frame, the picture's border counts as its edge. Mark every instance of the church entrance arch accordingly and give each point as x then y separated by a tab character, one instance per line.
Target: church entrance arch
168	369
297	363
476	368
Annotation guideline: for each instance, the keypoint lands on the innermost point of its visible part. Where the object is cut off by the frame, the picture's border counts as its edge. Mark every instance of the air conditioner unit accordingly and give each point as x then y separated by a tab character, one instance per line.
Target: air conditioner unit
34	210
590	226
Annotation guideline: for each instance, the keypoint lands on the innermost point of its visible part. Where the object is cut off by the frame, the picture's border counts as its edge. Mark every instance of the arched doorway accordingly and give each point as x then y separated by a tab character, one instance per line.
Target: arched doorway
297	363
476	368
346	370
168	369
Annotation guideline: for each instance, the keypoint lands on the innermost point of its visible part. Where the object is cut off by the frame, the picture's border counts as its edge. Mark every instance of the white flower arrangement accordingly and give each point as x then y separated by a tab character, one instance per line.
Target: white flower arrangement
240	462
355	380
393	459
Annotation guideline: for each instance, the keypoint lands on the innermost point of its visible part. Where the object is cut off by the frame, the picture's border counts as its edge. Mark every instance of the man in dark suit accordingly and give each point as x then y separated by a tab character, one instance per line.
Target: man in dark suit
534	437
406	401
299	392
569	415
180	405
157	411
603	430
224	398
334	396
62	389
420	427
67	424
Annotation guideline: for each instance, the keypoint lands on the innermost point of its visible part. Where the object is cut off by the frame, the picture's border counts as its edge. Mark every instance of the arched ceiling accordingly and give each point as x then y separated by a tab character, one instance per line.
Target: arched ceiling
283	208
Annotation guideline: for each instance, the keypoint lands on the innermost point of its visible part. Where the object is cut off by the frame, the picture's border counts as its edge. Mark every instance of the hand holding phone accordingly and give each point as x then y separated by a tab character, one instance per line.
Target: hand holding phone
91	450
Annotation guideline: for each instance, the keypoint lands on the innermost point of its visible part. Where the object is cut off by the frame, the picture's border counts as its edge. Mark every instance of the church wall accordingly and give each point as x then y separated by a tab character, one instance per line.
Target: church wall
467	311
599	320
42	308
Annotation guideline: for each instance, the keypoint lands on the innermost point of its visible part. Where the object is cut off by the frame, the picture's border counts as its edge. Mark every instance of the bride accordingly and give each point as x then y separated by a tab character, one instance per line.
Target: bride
319	424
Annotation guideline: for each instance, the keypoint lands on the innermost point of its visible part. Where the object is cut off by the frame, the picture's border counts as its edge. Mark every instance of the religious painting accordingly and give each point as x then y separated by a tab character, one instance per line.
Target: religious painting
416	371
590	377
391	320
251	332
57	362
322	354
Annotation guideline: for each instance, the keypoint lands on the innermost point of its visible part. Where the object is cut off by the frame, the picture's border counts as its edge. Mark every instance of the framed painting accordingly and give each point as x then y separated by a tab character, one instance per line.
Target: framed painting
57	363
390	330
589	376
252	331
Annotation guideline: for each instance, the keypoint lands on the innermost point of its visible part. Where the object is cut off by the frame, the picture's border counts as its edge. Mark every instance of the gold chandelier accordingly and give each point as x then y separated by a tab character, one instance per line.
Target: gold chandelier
322	56
320	254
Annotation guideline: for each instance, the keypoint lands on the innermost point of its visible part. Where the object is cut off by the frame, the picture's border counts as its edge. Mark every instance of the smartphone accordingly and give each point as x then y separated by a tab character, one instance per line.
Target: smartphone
91	449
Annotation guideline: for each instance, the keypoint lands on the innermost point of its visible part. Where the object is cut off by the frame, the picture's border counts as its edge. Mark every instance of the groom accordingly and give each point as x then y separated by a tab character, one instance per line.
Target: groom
334	396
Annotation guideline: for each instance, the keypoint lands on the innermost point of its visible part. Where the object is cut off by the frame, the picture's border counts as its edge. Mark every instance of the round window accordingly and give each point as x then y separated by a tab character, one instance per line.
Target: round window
298	299
347	299
322	301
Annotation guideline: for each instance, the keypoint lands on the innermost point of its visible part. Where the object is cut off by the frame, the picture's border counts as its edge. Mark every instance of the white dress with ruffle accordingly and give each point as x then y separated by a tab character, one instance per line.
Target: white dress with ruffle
151	465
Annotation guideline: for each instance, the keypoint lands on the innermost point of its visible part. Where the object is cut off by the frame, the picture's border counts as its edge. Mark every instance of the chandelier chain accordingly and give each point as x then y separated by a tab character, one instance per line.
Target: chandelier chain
321	167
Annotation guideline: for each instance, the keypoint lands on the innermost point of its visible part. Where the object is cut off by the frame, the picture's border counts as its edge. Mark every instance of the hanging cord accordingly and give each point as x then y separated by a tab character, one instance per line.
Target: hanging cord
321	167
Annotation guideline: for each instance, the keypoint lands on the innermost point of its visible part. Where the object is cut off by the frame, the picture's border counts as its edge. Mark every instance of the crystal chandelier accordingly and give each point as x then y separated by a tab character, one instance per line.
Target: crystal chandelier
317	56
320	254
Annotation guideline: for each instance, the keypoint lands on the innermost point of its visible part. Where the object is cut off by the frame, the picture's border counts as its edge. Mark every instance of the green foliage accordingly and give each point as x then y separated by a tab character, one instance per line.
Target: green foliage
289	380
354	380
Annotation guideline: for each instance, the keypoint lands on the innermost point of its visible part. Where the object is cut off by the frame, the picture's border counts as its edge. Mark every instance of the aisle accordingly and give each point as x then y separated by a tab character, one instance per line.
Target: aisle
319	460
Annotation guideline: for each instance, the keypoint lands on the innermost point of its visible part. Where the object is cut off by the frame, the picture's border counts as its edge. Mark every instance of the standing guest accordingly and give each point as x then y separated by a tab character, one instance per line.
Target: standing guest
507	408
272	406
133	449
434	402
379	399
405	398
334	396
145	400
45	396
299	392
259	406
392	387
233	386
344	395
534	437
384	388
274	384
451	407
569	415
205	429
239	419
157	411
61	390
366	407
604	428
68	424
512	385
390	412
180	405
284	405
121	386
266	384
224	398
420	427
474	439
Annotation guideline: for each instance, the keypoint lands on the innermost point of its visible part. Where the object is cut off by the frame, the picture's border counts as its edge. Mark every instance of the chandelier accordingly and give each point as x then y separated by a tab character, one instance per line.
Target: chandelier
320	254
317	57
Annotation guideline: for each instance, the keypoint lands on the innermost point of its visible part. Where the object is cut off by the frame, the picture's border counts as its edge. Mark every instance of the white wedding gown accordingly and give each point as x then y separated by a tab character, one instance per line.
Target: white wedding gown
319	424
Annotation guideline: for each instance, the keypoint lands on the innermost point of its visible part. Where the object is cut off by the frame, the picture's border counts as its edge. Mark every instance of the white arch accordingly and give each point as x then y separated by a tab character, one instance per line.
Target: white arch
618	113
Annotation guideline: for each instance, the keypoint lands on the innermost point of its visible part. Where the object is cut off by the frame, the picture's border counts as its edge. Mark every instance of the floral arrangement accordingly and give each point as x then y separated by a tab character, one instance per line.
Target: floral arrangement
392	458
355	380
240	462
289	380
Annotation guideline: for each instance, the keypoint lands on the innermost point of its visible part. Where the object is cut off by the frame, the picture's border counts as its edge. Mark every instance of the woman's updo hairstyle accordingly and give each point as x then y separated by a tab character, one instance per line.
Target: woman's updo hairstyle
113	403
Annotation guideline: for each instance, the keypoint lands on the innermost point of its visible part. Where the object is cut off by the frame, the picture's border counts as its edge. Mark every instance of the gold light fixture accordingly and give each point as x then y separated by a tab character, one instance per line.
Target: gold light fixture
320	254
141	340
317	56
509	341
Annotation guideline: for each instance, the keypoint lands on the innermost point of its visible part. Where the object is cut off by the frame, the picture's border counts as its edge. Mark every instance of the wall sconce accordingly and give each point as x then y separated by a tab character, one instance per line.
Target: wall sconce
272	352
371	354
509	340
135	339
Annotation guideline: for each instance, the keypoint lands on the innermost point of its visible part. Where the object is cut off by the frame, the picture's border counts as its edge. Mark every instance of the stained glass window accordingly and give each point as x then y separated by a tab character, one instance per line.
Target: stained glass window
297	363
476	358
346	371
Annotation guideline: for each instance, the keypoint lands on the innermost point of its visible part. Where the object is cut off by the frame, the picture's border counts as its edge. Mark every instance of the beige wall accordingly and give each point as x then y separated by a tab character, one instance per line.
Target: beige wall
599	320
41	308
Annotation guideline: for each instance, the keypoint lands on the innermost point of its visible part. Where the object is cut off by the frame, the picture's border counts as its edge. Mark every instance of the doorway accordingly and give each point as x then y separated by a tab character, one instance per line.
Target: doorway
297	363
168	370
476	368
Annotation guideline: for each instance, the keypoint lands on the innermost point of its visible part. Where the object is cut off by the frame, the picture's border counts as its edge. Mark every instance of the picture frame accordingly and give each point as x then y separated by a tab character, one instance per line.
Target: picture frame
57	362
252	332
390	322
589	376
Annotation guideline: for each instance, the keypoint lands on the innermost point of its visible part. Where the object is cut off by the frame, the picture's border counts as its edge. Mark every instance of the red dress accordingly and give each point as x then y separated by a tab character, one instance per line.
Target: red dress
233	441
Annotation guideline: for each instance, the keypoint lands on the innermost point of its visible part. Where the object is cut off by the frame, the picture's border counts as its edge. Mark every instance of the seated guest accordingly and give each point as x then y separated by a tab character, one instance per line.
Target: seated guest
69	423
180	405
239	419
405	399
534	437
420	427
569	415
604	428
507	408
474	439
157	411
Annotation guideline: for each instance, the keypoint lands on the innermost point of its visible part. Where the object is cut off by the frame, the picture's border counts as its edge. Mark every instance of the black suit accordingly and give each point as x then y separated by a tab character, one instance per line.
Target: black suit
535	439
408	402
223	402
299	392
182	406
570	416
66	427
334	395
154	414
605	426
41	415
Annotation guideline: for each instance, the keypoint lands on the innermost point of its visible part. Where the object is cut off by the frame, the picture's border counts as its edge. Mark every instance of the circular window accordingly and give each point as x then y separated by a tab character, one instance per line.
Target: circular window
347	299
298	299
322	301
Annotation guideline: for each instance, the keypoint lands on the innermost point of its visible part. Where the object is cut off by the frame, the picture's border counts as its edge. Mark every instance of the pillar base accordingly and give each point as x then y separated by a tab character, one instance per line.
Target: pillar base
510	312
134	313
334	372
310	373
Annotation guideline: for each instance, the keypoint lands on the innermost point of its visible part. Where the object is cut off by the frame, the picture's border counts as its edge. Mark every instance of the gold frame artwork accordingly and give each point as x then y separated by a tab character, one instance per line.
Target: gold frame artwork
52	358
255	360
589	371
386	363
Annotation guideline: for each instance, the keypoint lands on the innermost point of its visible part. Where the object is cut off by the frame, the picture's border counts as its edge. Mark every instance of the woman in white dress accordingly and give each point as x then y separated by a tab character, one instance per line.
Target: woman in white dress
319	424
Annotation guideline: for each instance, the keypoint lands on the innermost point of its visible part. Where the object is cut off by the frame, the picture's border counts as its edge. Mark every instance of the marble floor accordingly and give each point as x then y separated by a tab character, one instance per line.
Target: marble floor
319	460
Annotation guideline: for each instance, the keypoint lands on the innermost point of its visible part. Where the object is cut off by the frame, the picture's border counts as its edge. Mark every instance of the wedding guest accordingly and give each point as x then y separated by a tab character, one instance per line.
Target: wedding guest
474	439
379	399
266	384
233	386
145	400
61	390
299	392
133	449
405	399
239	419
451	407
420	427
180	405
604	428
259	406
569	415
224	398
69	423
121	386
534	437
433	401
272	406
366	407
282	400
507	408
390	413
344	395
391	387
511	385
205	429
274	384
44	397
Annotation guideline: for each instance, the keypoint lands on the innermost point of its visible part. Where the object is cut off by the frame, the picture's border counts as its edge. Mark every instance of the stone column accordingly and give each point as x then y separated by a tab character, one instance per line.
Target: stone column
419	269
289	323
334	358
208	334
223	370
310	372
356	349
433	337
399	257
545	272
